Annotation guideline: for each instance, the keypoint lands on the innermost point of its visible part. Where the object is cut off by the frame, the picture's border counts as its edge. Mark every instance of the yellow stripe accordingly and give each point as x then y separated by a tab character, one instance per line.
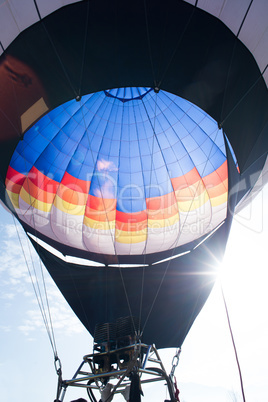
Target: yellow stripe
63	206
41	206
216	201
14	198
161	223
68	207
130	237
195	203
25	196
37	204
152	223
99	225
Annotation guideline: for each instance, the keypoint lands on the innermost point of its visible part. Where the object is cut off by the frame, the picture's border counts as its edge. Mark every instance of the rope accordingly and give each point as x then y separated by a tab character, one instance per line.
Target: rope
84	51
177	46
245	16
234	346
46	298
37	294
149	42
56	52
229	72
243	97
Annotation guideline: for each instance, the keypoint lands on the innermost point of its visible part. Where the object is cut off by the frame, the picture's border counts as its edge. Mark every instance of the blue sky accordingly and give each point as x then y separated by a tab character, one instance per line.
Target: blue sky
207	370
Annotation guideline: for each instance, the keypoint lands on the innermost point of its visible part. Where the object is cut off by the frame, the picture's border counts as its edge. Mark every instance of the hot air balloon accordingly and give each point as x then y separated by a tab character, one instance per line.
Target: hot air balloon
130	135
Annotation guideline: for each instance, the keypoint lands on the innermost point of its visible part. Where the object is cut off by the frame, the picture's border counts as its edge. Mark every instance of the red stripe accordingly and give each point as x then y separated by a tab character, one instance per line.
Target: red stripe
101	204
75	184
14	176
131	217
186	180
42	181
217	177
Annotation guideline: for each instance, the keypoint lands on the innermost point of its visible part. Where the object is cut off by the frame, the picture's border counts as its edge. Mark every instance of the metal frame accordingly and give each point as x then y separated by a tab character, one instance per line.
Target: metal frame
116	367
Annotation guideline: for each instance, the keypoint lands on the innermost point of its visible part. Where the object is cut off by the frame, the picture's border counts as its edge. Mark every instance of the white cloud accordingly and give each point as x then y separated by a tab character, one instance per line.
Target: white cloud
27	293
106	166
13	282
5	328
17	288
12	230
7	296
26	329
63	321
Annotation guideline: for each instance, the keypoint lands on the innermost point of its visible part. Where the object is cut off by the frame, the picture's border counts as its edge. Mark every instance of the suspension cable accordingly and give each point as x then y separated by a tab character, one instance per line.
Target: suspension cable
234	346
55	50
177	45
38	295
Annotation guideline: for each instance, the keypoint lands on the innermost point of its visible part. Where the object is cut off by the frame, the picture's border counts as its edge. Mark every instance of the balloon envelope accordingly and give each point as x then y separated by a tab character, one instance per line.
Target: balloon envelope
121	175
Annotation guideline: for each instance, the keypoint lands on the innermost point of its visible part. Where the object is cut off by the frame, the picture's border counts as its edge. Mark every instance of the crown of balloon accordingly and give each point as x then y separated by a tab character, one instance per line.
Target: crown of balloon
127	94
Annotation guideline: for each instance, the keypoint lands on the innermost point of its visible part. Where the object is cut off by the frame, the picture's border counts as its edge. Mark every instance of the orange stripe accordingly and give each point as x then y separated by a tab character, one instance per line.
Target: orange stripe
11	186
190	192
162	214
101	204
216	177
37	193
100	216
72	196
219	190
162	202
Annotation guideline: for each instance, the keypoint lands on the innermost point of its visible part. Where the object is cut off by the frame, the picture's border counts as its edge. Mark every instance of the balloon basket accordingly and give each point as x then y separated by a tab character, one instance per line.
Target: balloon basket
117	367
